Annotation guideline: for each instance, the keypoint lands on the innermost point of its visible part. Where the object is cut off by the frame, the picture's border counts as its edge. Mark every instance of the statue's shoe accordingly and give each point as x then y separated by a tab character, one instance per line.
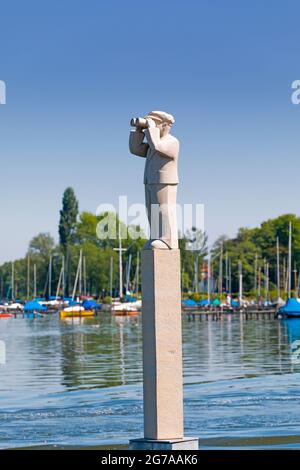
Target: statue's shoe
159	245
156	245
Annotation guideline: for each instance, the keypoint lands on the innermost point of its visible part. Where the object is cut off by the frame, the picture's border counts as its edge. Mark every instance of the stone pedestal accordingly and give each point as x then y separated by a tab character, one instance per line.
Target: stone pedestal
187	443
162	344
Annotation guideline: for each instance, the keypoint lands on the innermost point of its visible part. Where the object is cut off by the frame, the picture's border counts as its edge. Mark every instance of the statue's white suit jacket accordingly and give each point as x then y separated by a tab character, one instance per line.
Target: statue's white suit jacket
161	179
161	155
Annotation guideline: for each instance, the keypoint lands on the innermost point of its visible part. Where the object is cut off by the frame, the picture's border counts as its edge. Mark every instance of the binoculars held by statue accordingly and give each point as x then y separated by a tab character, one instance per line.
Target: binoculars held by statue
139	122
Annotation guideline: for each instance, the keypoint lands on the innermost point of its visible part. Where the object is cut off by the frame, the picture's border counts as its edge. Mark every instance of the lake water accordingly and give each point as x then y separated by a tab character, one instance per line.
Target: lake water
78	383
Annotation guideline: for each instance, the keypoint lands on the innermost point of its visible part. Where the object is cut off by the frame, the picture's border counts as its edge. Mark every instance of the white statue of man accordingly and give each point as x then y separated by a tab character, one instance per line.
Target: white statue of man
160	177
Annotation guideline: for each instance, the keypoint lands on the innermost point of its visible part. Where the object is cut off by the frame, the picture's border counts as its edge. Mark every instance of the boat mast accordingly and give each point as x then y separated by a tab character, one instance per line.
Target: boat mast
84	275
111	273
265	277
77	276
60	279
290	261
295	279
229	277
255	275
2	288
137	272
12	281
240	269
284	276
259	285
34	281
278	269
196	272
80	272
266	281
50	277
298	285
63	275
128	273
120	250
120	264
28	276
226	272
208	277
220	289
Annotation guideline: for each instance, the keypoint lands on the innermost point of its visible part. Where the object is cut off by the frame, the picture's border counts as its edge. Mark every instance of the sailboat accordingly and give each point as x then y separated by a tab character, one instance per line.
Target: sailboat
120	308
292	307
76	309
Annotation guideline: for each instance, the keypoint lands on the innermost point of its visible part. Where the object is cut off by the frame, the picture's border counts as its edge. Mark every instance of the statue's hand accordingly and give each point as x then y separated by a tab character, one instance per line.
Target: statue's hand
151	122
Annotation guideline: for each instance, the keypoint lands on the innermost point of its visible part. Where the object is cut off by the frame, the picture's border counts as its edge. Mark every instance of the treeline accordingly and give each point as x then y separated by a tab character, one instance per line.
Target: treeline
39	272
253	253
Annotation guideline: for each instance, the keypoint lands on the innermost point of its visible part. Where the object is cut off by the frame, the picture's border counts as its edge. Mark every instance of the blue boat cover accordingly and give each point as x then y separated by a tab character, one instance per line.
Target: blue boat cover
292	307
89	304
189	303
130	298
33	305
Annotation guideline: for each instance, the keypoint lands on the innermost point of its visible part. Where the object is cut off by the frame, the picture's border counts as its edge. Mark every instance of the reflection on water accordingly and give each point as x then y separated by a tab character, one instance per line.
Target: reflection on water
78	381
293	328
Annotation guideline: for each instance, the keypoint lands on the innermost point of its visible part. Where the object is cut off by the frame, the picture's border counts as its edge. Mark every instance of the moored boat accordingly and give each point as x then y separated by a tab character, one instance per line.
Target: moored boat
76	311
291	309
5	315
126	308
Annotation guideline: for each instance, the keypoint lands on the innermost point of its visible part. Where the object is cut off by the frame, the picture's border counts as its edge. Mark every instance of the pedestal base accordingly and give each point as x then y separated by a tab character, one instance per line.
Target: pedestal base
186	443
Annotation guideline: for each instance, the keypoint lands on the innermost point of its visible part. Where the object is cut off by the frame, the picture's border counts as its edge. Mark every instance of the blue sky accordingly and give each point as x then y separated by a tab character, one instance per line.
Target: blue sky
76	71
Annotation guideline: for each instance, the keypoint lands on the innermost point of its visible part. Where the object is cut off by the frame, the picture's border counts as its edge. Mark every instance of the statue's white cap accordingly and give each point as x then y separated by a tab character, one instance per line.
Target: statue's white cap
160	116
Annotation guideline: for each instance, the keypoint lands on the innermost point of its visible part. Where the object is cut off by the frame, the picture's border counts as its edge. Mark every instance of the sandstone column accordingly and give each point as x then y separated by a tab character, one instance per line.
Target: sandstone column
162	353
162	345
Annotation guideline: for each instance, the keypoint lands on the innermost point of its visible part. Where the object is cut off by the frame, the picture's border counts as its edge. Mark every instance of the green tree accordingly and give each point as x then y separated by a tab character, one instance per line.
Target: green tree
68	217
98	251
42	245
193	248
67	227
